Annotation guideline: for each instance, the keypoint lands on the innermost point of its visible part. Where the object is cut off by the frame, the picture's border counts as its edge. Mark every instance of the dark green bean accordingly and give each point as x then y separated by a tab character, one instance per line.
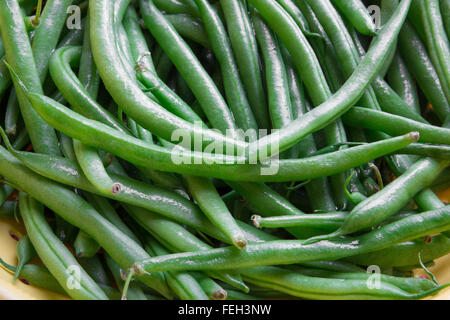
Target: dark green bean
280	109
176	7
47	33
25	253
402	82
211	288
183	284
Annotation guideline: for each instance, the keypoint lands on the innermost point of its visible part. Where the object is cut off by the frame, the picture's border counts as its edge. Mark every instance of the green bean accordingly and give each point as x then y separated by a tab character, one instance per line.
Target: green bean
93	168
209	201
245	49
134	292
287	30
190	28
268	203
12	114
395	125
236	295
156	199
334	266
164	67
47	33
171	101
295	251
37	276
410	285
178	239
184	284
326	221
85	246
402	83
280	109
95	269
19	54
406	253
96	134
73	37
55	255
445	6
221	46
357	14
318	190
88	73
5	192
298	17
415	18
345	50
299	285
25	253
107	210
391	102
177	7
414	53
211	101
349	93
211	288
437	42
80	214
8	209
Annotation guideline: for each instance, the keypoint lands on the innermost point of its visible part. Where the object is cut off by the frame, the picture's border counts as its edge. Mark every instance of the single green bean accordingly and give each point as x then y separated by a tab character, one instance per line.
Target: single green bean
437	42
25	253
355	11
243	42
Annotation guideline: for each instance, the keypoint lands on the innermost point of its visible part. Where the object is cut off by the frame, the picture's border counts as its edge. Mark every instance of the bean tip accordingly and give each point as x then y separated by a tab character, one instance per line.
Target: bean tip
116	188
414	136
240	243
219	294
255	219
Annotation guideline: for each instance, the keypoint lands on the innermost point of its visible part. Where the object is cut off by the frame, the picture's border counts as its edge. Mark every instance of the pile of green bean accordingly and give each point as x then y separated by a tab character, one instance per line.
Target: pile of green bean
114	119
